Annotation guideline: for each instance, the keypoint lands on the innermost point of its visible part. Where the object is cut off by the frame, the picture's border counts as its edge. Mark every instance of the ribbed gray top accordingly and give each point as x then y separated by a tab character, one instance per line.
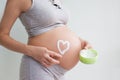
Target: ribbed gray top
42	16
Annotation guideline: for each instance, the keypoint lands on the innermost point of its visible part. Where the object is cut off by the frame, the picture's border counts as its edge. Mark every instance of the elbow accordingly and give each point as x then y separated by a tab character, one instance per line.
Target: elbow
2	37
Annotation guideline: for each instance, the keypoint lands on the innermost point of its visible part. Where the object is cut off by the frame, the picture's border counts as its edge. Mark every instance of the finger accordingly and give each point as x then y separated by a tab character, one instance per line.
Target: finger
88	46
44	64
55	55
47	63
47	60
51	60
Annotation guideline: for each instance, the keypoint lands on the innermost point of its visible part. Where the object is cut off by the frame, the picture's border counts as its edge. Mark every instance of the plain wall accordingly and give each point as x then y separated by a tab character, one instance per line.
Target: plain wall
97	21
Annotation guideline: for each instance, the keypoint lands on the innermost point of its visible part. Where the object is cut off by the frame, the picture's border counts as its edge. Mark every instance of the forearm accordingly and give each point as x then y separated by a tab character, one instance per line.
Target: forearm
11	44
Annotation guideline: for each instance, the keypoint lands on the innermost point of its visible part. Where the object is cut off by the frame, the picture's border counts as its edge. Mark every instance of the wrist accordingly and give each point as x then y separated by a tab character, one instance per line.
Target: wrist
28	50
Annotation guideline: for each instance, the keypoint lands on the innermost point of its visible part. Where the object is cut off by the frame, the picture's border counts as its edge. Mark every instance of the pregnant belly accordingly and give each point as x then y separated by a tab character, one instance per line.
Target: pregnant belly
69	44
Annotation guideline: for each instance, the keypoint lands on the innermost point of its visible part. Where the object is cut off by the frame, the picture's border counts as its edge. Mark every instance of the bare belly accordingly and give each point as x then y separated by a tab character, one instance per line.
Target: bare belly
49	40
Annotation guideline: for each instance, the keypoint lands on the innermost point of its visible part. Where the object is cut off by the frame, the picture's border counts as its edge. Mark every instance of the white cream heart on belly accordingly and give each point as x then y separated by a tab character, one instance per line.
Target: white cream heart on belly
63	46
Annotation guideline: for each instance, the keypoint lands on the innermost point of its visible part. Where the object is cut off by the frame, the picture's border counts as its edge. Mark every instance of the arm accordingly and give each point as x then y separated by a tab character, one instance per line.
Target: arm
12	10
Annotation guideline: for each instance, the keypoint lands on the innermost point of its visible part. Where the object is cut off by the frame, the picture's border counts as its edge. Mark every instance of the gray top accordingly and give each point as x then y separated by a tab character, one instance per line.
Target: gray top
42	16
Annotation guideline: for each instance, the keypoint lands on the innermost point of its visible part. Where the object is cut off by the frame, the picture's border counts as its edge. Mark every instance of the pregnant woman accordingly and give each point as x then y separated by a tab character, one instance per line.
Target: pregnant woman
52	48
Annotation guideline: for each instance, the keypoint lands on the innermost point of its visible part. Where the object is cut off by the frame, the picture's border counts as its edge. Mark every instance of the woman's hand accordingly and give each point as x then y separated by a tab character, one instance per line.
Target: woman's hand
44	56
85	44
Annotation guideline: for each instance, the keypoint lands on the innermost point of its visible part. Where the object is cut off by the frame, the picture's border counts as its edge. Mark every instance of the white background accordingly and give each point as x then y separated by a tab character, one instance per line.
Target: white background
97	21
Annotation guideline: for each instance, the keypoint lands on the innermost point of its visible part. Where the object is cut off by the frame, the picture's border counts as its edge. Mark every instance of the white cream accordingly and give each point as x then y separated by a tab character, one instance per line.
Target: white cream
87	54
67	43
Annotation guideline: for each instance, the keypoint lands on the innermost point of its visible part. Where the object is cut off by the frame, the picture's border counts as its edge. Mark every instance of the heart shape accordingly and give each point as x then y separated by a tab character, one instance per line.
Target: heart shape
67	43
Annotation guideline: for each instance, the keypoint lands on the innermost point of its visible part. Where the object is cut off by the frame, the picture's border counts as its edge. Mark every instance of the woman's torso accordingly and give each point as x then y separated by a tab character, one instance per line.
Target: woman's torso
46	24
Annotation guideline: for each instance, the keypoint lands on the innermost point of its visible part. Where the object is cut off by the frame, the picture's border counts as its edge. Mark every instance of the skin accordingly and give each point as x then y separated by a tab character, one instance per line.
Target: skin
12	11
